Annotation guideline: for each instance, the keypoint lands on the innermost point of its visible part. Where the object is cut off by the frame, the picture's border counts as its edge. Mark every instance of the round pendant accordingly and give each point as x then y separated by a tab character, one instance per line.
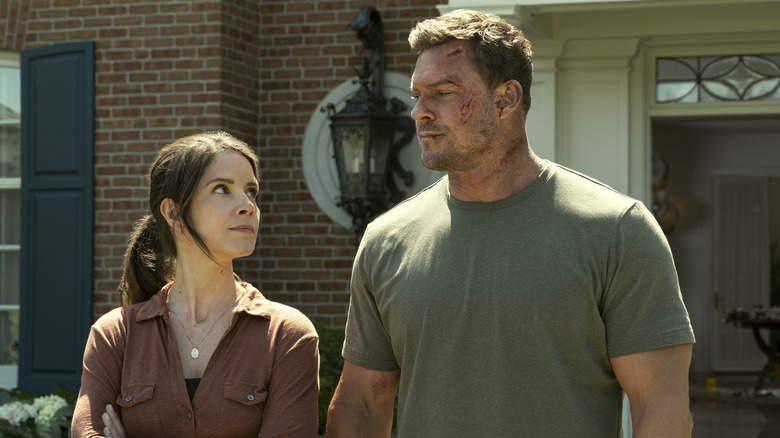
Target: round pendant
194	353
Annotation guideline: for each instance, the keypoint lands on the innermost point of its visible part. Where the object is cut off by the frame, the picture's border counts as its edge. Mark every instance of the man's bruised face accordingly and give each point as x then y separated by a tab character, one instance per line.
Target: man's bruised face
455	112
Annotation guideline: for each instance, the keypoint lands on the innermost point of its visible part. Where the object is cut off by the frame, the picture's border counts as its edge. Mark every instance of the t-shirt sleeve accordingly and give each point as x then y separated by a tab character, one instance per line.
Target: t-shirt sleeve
367	343
101	375
643	307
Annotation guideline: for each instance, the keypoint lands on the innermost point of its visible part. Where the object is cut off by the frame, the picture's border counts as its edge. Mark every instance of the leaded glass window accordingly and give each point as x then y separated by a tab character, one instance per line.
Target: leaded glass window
718	78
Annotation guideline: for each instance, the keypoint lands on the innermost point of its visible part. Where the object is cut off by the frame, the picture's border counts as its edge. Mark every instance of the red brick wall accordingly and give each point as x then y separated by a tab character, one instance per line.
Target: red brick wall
257	69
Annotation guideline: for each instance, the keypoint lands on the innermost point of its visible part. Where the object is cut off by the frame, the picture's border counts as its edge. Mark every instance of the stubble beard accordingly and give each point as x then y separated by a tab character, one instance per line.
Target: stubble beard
460	155
449	159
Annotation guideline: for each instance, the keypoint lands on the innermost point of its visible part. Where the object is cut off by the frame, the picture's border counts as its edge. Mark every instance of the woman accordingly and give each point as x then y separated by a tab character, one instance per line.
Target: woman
194	351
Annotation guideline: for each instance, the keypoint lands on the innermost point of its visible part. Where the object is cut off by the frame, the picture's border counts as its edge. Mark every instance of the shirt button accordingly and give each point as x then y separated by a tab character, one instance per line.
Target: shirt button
250	397
189	414
128	399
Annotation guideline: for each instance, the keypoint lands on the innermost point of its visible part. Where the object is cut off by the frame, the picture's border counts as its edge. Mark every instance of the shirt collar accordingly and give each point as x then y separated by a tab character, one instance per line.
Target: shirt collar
253	303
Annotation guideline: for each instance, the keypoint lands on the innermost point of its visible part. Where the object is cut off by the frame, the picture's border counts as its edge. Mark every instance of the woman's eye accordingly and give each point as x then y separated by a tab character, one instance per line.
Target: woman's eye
221	189
252	193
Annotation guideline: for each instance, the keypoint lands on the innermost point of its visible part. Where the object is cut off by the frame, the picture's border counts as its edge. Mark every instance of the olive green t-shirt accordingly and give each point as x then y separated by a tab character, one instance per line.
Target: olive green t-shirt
502	317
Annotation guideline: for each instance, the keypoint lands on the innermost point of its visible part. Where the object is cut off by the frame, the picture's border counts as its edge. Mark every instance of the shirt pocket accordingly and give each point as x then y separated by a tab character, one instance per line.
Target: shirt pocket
139	411
243	405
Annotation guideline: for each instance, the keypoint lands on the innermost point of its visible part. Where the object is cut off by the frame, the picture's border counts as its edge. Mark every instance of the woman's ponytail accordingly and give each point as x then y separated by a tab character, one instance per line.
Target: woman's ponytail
146	266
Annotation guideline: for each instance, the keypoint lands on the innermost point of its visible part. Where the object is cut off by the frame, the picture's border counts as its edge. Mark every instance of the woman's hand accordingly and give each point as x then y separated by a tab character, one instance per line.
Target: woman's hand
113	426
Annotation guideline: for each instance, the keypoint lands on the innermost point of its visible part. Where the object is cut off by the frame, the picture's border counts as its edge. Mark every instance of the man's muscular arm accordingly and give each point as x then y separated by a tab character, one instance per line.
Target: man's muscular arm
656	383
362	406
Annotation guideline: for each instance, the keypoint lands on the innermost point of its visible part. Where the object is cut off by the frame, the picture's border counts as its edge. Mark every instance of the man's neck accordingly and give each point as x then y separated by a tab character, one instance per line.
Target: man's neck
496	180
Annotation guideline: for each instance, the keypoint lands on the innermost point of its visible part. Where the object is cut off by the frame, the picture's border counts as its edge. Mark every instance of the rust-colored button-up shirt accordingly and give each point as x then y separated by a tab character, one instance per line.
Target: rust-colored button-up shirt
261	381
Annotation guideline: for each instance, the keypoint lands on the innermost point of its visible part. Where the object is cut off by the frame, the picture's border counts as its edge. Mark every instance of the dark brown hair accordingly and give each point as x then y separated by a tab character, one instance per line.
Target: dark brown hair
499	51
175	173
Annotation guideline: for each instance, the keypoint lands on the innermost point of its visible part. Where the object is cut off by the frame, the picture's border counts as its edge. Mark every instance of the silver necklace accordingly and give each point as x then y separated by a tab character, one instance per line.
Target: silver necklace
194	353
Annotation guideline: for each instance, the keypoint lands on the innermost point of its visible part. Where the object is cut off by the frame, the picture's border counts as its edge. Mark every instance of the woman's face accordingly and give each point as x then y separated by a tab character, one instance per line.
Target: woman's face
224	209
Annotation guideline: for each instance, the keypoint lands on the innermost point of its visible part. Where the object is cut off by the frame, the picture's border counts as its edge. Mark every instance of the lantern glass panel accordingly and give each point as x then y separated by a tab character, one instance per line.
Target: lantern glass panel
381	139
353	143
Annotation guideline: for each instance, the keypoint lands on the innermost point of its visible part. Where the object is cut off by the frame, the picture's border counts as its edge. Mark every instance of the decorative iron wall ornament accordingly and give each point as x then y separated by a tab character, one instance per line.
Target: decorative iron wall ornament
718	78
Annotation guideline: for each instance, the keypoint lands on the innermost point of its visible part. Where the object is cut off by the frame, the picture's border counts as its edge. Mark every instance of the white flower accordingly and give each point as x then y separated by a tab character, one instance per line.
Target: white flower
47	406
17	412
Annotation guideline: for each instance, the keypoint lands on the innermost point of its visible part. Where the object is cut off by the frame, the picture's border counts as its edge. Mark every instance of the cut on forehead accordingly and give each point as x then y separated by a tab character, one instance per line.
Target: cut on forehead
457	51
434	68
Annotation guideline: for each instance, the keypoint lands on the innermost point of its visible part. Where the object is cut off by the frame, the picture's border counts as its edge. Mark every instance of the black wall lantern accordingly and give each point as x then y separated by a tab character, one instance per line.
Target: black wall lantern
363	133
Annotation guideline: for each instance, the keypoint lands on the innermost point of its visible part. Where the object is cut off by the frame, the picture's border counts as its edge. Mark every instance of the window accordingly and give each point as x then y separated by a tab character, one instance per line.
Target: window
718	78
10	212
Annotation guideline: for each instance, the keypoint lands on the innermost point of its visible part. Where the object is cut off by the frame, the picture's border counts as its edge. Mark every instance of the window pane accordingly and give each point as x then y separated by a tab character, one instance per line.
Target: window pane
764	65
718	67
9	337
10	212
10	150
762	89
676	69
10	93
9	277
676	92
720	90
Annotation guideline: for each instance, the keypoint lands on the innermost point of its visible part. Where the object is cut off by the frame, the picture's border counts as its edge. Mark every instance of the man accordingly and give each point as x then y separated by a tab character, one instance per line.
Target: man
514	297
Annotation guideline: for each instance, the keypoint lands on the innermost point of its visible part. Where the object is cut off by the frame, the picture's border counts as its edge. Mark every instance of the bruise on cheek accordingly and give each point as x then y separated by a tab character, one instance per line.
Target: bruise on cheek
464	109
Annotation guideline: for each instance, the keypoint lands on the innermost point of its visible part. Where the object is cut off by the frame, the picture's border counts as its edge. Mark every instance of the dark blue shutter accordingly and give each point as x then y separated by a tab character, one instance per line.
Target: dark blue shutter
57	226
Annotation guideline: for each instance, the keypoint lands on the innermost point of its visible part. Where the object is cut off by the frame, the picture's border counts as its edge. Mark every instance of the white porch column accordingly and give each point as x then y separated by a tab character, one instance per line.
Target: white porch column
541	118
593	108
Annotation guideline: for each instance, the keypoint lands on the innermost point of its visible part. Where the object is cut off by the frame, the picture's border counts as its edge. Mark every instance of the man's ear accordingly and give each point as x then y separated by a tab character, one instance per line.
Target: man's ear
169	211
510	98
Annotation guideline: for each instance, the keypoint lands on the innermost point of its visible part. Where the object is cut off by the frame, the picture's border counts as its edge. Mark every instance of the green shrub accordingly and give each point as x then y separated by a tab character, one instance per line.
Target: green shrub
331	363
